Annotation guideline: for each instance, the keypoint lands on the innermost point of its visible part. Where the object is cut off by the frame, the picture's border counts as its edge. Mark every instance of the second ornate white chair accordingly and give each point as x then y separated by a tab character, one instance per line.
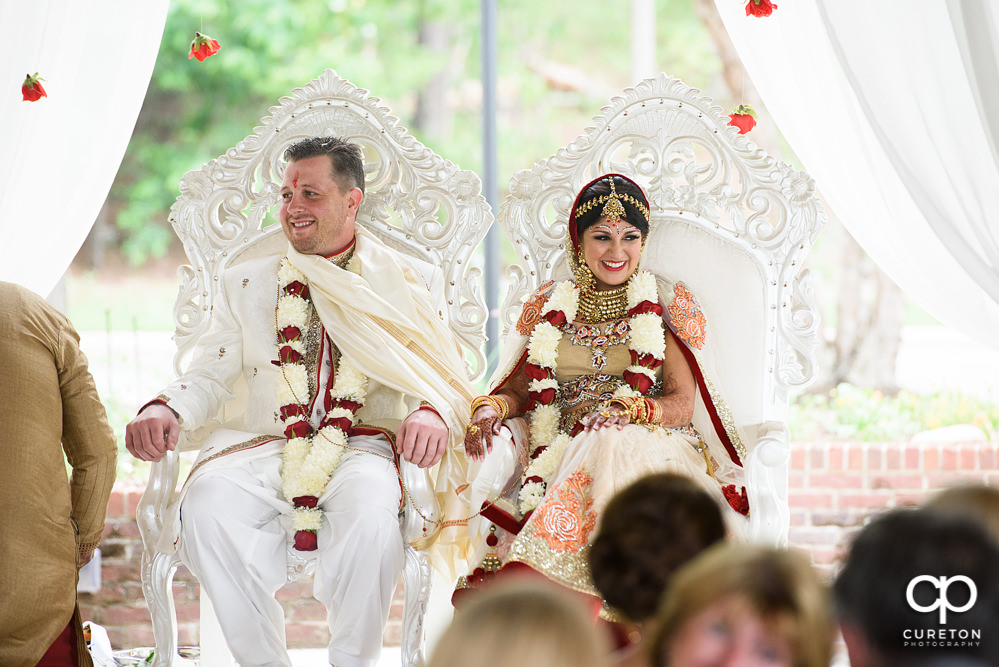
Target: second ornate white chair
731	222
415	201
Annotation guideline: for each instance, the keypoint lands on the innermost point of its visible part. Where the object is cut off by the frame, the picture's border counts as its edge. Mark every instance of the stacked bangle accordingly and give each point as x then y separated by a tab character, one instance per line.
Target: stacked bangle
644	411
495	402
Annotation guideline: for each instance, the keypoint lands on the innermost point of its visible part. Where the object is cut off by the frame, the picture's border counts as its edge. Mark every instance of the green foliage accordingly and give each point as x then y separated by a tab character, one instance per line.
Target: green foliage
855	413
194	111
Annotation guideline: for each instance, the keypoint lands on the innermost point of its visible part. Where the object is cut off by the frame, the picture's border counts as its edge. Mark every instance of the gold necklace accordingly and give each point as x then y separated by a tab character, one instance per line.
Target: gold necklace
603	305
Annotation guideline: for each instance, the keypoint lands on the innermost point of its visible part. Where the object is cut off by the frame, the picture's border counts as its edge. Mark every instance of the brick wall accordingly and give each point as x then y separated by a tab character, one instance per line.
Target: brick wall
833	487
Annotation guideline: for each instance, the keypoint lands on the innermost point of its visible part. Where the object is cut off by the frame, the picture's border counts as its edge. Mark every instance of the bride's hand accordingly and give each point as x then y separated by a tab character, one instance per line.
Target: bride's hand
485	424
606	417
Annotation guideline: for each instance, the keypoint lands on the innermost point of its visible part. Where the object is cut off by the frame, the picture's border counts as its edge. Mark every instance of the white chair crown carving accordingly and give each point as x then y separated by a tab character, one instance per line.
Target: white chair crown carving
731	222
415	201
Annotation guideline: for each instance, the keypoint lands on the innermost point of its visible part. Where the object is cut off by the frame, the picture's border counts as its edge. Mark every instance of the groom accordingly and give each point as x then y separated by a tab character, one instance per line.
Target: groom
341	362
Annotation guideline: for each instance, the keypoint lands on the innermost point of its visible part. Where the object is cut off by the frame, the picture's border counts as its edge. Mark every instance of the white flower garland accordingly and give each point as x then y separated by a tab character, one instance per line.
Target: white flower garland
648	337
308	461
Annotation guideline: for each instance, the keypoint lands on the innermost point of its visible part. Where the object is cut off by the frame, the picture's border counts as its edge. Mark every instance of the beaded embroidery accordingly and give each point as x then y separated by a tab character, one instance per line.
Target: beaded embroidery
598	339
566	520
687	317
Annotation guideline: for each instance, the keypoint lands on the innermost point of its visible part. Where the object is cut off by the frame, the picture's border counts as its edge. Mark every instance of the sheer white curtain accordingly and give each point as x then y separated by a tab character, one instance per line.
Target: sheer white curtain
59	156
893	107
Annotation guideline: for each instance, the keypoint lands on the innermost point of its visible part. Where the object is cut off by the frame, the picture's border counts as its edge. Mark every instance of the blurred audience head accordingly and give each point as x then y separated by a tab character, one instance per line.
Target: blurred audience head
522	621
743	605
976	501
897	598
648	530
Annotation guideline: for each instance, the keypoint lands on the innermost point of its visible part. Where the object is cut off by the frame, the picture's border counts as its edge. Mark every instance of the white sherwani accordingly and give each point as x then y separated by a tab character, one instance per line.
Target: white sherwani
233	527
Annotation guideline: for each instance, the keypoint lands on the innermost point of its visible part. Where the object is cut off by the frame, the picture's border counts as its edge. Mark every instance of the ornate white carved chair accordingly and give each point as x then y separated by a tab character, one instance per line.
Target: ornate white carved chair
731	222
415	201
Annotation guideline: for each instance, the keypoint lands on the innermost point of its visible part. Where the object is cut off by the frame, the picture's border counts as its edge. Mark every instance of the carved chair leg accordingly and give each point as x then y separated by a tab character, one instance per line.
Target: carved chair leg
157	586
416	581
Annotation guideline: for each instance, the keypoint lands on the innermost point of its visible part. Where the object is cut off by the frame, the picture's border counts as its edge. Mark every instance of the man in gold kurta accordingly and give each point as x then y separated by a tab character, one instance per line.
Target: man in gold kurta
49	527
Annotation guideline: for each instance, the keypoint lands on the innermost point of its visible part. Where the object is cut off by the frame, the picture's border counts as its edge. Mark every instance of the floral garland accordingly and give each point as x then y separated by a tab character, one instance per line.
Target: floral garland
309	458
647	347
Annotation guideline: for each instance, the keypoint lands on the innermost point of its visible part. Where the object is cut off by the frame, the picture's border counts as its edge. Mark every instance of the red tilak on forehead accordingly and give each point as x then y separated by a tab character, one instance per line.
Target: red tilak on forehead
294	180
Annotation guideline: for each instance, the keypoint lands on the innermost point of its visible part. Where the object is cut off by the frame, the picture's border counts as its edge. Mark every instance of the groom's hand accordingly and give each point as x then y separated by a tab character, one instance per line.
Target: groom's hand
422	438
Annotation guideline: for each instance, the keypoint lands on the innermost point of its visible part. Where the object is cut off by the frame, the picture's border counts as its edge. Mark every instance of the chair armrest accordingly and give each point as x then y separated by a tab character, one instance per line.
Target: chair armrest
155	501
418	497
766	484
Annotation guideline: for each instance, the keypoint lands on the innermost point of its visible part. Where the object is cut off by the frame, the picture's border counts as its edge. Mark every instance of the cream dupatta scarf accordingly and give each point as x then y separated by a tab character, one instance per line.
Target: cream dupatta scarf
384	323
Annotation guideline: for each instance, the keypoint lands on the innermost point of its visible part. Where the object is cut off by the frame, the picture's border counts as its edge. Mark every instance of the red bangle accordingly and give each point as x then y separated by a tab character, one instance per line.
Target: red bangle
427	406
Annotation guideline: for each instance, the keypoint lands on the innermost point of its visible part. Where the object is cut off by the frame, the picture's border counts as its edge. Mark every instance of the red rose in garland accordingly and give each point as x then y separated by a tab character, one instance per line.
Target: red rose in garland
760	8
306	540
743	116
31	89
203	47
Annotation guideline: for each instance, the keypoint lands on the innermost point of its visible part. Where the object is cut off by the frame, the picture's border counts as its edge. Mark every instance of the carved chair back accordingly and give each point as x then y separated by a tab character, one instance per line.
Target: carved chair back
731	222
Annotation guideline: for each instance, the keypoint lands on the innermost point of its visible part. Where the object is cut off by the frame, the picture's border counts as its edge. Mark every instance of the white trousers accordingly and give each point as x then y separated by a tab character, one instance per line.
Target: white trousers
235	536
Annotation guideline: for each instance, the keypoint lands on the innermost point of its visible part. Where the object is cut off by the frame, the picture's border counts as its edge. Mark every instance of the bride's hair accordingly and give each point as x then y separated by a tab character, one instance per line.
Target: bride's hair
629	194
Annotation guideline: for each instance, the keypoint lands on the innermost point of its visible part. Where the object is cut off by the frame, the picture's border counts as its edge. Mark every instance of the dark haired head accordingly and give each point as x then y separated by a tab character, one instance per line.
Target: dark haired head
871	591
647	532
346	160
636	205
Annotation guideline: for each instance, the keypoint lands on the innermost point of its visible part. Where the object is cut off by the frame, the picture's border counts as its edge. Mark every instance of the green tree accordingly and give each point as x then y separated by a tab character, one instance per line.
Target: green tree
558	64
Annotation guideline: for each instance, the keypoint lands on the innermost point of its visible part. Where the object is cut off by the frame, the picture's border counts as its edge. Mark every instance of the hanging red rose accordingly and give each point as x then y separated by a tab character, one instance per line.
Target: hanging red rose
743	116
203	47
31	89
760	8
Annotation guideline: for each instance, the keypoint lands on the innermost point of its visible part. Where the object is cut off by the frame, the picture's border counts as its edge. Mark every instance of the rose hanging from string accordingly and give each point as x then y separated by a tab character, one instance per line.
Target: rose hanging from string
760	8
31	89
203	47
743	117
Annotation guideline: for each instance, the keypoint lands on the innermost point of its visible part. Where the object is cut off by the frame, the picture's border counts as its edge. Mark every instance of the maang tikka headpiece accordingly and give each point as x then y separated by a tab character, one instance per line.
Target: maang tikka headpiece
614	207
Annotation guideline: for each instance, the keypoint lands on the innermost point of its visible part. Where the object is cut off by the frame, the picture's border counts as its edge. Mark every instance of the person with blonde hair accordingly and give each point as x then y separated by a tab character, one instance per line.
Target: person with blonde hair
744	605
977	501
522	621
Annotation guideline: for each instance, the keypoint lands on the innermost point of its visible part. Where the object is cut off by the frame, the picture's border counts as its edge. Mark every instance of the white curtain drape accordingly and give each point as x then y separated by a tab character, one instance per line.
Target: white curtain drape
59	155
893	107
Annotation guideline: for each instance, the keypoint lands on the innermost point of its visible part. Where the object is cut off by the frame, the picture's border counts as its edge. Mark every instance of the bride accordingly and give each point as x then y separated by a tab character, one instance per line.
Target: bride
599	384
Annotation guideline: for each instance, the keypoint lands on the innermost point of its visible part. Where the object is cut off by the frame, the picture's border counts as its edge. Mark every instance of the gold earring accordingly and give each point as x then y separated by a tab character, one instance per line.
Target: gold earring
585	280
